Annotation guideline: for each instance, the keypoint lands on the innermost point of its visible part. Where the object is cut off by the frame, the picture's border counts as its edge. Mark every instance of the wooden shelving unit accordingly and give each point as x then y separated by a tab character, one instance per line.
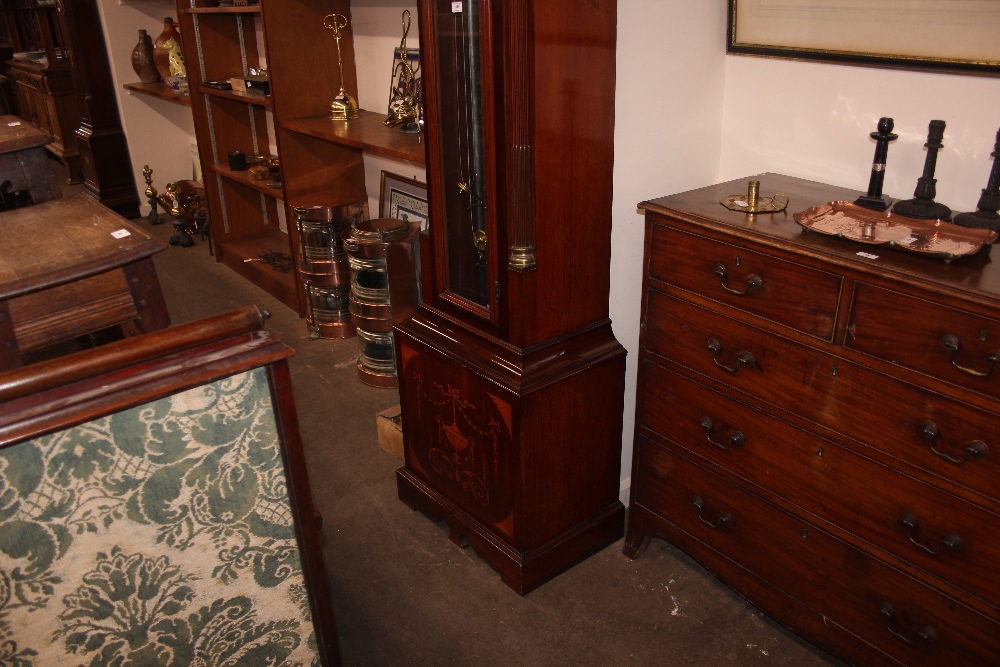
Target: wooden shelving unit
247	216
321	159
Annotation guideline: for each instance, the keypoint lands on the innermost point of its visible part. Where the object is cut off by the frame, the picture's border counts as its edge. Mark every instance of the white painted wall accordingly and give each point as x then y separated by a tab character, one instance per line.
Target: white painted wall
159	133
668	120
813	120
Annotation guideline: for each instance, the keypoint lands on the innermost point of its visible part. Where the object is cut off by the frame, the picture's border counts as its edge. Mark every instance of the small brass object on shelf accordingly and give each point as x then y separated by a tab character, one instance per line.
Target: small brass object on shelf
752	202
343	106
260	172
404	109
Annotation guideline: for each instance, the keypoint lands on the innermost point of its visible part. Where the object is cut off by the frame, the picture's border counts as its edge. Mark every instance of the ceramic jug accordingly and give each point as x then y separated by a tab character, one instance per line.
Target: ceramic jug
142	59
161	56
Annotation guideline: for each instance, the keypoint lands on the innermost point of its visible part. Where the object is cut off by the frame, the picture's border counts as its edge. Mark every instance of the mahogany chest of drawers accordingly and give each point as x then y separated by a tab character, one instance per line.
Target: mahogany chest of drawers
820	428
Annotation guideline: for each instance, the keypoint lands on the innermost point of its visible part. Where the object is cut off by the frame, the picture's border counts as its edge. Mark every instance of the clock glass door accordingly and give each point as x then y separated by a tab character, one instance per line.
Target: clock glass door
459	79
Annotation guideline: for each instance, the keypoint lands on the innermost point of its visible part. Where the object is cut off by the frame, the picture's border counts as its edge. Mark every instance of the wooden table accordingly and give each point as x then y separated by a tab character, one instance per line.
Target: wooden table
70	267
23	160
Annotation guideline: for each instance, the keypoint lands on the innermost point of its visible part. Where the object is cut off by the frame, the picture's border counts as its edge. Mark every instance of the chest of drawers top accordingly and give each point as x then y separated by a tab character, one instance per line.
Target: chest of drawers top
974	277
912	315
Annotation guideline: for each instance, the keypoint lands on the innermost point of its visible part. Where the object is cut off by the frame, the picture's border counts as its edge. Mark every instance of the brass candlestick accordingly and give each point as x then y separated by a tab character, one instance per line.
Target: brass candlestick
153	218
343	106
752	202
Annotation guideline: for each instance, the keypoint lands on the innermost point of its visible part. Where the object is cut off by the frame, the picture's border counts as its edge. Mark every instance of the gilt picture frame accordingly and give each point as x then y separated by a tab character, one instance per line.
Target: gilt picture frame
958	36
403	198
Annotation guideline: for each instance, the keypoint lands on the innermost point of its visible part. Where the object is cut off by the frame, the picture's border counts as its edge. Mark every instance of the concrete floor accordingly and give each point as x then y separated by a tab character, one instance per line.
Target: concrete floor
404	594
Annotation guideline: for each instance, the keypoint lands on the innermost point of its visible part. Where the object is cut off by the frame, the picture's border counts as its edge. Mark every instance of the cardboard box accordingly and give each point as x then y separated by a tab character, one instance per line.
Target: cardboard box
390	431
239	85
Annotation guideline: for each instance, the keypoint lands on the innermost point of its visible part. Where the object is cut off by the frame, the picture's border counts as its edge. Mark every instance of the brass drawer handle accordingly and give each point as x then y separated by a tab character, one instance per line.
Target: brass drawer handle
753	282
925	633
910	522
735	438
725	519
976	449
951	344
746	358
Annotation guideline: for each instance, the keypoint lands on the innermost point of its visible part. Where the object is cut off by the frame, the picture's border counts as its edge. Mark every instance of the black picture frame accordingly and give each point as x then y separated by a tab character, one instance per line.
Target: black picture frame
403	198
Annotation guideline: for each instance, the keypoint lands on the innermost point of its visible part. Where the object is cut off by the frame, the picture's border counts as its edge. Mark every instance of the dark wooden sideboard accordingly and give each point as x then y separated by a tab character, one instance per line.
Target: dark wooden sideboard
813	439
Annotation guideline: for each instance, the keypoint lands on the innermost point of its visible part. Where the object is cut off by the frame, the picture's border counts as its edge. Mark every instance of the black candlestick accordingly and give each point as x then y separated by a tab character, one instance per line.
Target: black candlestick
986	215
875	199
923	205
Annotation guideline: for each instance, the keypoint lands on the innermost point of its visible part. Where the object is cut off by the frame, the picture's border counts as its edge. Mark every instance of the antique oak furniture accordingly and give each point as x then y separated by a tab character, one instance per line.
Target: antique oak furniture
817	424
23	161
168	469
511	380
42	77
70	267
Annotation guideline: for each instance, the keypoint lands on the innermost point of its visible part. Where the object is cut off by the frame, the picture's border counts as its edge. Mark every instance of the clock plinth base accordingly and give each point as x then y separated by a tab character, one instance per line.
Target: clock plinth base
519	451
523	572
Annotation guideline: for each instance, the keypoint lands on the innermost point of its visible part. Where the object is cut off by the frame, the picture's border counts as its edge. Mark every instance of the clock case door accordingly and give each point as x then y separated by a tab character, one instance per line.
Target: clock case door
512	404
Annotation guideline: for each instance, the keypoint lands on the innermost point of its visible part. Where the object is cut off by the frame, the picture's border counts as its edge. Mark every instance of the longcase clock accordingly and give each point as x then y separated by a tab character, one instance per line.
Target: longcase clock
511	380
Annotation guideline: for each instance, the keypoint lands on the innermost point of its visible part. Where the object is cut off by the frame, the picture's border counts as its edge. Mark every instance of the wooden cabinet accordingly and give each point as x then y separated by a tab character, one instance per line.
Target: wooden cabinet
41	77
511	380
45	97
321	159
819	428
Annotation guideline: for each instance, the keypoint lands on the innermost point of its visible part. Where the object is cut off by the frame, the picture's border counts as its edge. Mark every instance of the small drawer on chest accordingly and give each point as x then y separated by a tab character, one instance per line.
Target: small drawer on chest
788	293
910	621
949	538
943	437
954	345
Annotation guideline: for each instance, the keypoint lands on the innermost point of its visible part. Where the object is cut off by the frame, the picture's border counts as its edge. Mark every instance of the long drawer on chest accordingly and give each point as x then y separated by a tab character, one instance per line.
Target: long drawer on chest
924	432
890	511
883	606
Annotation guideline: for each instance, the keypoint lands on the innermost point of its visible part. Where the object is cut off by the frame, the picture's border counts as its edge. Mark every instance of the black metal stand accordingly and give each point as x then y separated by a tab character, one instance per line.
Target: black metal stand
986	215
923	205
875	199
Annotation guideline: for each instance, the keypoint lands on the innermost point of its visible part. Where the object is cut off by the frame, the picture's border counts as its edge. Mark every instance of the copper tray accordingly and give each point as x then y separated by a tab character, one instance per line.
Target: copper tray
926	237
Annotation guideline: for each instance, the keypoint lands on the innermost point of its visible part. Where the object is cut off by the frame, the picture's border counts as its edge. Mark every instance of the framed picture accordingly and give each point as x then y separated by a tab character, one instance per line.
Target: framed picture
403	198
954	36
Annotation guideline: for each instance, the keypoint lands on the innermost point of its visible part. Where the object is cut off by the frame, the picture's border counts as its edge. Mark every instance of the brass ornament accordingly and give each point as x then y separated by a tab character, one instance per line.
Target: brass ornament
404	108
343	106
752	202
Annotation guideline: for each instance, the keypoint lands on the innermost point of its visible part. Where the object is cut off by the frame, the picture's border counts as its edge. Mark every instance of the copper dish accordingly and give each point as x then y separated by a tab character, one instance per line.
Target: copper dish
927	237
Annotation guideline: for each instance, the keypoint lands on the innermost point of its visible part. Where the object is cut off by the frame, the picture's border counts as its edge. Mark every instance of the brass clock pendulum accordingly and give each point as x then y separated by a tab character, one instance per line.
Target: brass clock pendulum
470	156
343	106
923	205
874	199
986	215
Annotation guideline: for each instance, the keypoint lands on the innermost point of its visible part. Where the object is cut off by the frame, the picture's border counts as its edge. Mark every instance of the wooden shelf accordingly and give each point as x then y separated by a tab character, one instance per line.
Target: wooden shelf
244	257
259	100
160	90
367	133
244	178
249	9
